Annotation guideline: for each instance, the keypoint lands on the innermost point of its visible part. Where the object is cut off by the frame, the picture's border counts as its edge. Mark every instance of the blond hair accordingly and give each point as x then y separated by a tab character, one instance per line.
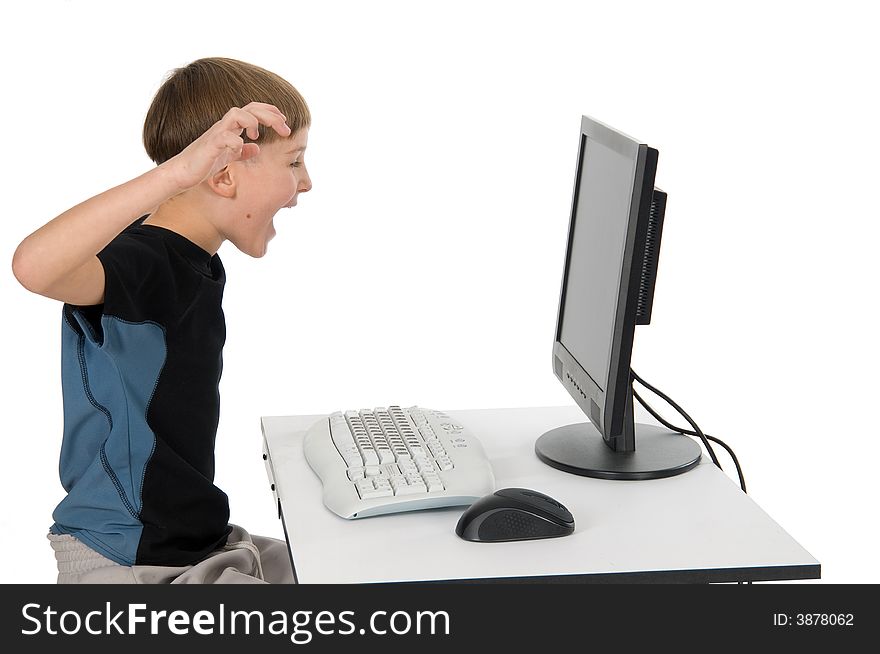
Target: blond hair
196	96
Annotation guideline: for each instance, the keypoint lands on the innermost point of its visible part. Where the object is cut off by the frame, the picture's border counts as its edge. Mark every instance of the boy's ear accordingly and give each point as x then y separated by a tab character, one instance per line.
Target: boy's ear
223	182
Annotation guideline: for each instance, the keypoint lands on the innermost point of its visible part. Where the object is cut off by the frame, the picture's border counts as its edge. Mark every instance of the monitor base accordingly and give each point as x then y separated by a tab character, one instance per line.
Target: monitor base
581	450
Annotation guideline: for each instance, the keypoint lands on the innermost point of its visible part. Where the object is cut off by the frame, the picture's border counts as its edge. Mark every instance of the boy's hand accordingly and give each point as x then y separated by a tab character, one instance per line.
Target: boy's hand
222	143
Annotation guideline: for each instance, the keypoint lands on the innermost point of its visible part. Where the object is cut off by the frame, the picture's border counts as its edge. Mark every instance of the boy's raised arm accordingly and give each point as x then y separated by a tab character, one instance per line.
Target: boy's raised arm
59	260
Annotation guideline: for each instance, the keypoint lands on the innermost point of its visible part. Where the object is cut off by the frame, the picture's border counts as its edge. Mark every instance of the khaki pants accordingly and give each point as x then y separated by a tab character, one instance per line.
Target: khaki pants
245	559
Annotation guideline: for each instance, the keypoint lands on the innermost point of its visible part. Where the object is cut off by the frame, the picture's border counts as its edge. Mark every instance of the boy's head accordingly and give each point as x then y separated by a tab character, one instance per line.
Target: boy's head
245	195
196	96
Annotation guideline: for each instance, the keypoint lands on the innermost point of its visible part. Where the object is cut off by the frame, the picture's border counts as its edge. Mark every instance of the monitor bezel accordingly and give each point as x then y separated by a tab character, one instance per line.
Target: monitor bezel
605	401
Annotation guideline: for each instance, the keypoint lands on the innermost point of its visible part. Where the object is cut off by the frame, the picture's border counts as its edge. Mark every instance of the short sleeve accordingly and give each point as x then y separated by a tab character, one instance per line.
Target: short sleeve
133	276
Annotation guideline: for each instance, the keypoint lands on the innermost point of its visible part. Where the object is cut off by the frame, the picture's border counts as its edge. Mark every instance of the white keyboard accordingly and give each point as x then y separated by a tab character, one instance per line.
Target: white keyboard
387	460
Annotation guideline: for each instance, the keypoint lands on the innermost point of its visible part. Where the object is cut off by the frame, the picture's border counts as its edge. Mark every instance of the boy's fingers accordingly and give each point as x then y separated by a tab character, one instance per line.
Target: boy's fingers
246	120
250	117
274	119
282	128
232	143
263	105
237	120
269	115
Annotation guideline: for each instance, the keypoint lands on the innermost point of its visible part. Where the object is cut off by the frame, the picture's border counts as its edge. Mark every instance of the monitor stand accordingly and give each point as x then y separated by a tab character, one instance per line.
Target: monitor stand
646	452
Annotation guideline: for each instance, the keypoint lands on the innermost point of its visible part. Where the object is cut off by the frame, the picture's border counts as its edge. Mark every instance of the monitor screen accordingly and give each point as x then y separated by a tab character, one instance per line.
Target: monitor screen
607	289
595	264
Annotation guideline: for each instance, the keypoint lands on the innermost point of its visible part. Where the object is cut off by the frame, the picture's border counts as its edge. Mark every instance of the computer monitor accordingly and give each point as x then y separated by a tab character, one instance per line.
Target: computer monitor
607	289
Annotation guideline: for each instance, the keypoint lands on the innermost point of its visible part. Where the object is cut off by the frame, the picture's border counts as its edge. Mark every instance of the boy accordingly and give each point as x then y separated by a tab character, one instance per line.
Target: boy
143	330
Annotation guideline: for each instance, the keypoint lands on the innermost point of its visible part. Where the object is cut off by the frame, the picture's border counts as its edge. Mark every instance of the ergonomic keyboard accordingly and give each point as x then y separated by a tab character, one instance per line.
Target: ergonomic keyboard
387	460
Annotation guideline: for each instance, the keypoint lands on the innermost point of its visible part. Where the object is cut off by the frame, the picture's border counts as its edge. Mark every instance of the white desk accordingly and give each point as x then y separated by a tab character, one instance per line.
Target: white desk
695	527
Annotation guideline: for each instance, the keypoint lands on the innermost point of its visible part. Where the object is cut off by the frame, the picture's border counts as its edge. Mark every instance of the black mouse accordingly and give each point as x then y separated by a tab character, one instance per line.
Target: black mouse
514	514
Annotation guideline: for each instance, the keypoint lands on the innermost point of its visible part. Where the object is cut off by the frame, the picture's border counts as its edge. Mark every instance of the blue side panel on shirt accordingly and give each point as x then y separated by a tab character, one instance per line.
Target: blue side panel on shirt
107	385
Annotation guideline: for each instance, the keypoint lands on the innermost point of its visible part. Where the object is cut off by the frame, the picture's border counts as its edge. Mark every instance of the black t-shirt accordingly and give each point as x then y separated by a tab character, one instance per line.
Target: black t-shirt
140	378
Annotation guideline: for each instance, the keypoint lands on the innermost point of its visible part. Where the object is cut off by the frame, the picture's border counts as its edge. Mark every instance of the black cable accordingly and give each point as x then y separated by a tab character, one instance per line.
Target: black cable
697	431
742	481
690	420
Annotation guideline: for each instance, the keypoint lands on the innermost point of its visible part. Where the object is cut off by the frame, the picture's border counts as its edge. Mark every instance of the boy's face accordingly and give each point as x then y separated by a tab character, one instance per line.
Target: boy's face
270	181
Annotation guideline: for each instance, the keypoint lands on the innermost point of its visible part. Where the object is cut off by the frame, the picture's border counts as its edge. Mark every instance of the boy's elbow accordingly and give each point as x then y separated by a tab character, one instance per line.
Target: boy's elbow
26	270
83	285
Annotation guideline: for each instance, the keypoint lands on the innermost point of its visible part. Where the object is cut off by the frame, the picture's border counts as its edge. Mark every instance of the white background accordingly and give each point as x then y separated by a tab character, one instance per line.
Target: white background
424	267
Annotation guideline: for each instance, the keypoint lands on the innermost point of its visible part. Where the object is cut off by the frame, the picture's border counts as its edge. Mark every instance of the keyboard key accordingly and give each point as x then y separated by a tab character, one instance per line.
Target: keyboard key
410	489
397	483
445	463
344	442
385	455
382	483
407	466
367	490
424	465
434	484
